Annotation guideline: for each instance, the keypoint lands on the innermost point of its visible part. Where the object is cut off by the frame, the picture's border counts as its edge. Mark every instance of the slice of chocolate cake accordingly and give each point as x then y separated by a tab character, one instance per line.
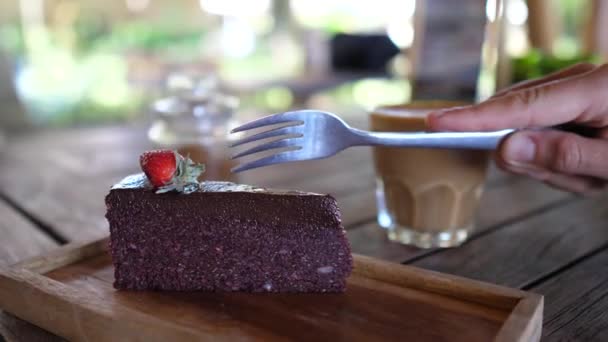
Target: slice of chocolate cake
223	236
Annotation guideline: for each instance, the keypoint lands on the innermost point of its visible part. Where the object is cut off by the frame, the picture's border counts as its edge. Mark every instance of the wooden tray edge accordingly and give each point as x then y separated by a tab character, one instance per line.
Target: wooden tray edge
83	316
64	255
523	324
496	296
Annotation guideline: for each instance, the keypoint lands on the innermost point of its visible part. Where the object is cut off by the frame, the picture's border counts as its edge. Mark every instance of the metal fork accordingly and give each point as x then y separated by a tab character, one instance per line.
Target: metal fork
312	134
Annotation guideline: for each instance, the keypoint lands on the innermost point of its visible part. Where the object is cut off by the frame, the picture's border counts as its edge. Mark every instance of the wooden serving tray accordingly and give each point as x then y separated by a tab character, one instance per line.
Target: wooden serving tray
69	292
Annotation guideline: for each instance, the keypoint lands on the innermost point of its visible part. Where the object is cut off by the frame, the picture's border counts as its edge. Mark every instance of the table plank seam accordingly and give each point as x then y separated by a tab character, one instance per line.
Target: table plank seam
539	281
42	226
498	226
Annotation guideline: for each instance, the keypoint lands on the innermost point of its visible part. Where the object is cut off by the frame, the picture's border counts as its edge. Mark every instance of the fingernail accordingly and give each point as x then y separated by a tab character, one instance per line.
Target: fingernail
520	149
537	174
435	114
596	192
431	121
440	112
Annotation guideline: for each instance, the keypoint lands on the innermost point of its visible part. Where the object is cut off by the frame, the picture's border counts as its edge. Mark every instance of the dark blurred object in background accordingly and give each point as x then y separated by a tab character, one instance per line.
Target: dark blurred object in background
361	53
455	49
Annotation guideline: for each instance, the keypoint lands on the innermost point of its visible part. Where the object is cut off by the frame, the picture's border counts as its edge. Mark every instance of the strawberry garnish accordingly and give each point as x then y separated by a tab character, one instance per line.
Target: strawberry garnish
159	166
168	170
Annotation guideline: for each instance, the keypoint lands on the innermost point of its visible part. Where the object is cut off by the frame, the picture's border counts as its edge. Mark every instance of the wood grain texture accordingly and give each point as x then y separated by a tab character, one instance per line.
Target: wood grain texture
523	252
337	182
513	245
63	256
525	321
81	175
17	330
78	302
44	197
305	175
577	302
470	290
73	209
20	239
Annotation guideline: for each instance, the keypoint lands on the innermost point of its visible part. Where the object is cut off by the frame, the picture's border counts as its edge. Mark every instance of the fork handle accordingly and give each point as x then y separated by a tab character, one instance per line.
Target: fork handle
459	140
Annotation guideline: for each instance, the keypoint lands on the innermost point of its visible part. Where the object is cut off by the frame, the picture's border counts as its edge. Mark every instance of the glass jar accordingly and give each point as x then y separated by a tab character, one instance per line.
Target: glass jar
196	119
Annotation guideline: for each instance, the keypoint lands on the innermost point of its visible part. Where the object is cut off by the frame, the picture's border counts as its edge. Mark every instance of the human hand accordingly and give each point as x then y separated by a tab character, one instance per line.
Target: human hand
577	95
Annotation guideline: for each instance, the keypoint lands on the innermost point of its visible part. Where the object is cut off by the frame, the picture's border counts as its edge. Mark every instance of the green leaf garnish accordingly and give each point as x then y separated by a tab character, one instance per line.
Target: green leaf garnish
186	176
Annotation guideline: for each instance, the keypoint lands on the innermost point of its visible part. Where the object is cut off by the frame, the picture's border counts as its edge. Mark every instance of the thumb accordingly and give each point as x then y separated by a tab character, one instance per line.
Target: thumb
556	151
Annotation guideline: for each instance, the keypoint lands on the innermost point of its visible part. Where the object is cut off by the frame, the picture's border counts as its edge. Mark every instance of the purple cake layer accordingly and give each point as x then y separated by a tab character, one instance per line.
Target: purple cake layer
226	237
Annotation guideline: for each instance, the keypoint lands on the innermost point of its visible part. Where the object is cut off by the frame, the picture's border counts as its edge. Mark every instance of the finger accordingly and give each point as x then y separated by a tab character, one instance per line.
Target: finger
576	184
581	99
579	185
574	70
582	185
603	133
556	151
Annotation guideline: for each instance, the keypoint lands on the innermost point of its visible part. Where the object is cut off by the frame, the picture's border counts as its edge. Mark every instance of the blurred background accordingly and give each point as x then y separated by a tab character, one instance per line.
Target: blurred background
86	62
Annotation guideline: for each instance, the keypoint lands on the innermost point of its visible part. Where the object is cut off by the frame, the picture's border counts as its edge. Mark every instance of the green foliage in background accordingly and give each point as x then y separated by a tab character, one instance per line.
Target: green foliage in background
536	64
11	38
84	79
144	37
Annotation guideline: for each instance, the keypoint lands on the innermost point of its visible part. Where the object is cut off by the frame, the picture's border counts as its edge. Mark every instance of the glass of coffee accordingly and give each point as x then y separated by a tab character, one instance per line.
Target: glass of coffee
426	197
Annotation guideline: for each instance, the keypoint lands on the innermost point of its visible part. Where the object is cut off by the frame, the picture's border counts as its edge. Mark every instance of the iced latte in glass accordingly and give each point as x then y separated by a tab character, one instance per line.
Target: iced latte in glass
425	197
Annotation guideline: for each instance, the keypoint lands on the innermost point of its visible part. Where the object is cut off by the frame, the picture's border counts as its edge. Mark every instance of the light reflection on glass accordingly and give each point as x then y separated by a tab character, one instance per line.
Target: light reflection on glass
401	33
487	79
237	38
137	5
351	15
235	8
491	10
517	12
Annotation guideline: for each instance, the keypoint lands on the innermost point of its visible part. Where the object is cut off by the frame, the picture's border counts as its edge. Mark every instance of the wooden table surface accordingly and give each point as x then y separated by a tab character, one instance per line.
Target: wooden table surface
52	186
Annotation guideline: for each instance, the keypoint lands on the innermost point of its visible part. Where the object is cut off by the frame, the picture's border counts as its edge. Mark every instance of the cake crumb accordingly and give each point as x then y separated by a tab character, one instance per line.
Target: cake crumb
325	269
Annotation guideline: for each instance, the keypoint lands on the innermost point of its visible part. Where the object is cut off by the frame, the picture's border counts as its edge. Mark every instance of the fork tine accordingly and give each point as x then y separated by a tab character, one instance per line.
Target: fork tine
271	120
281	157
290	130
266	147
